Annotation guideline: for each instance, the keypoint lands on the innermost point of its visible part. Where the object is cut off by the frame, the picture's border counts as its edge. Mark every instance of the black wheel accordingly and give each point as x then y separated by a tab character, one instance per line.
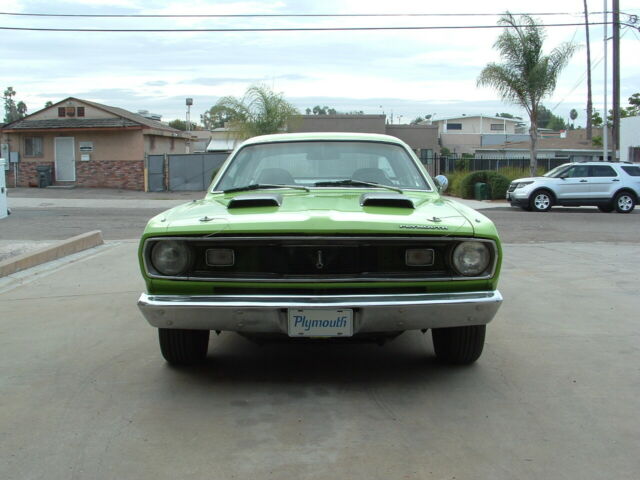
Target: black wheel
183	347
624	202
605	208
541	201
459	345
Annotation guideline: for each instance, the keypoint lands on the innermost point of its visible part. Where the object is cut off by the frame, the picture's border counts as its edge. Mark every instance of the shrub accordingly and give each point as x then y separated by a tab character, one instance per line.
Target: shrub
497	184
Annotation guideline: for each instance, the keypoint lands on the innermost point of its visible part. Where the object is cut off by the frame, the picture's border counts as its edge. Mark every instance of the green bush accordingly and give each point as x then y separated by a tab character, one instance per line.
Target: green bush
497	183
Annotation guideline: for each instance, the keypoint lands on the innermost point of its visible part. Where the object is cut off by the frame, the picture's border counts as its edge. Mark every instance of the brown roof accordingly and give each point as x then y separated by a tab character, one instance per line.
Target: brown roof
575	140
73	123
127	119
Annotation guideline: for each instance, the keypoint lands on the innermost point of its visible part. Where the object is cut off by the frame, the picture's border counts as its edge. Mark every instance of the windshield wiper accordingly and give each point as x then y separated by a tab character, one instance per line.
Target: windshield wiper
355	183
258	186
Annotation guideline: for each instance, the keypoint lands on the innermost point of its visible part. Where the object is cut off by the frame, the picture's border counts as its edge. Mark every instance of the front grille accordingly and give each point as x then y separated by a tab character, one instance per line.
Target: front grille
317	259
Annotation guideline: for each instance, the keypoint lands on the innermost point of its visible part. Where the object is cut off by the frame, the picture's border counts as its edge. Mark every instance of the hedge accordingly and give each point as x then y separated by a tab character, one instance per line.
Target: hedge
497	183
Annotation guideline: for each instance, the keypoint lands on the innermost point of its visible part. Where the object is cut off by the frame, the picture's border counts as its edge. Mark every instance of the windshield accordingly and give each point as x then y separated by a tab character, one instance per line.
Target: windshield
323	164
556	172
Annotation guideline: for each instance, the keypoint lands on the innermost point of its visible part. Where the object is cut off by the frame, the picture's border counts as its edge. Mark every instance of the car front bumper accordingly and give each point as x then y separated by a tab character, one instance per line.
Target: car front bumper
371	313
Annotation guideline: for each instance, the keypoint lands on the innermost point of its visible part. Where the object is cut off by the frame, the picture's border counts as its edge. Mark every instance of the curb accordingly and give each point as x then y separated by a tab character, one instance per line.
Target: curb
47	254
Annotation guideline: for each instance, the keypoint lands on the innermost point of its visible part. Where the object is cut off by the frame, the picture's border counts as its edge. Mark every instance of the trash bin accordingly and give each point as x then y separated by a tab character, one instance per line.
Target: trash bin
44	175
481	191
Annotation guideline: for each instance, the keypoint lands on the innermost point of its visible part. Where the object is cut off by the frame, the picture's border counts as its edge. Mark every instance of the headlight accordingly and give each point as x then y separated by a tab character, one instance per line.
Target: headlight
170	257
471	258
522	184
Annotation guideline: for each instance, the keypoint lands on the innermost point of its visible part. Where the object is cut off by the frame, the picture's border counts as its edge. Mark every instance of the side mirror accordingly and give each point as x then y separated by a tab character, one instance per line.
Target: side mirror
442	183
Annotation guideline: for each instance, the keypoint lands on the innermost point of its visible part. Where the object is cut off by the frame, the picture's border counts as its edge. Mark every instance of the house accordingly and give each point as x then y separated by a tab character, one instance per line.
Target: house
86	144
423	139
223	139
574	147
465	133
630	139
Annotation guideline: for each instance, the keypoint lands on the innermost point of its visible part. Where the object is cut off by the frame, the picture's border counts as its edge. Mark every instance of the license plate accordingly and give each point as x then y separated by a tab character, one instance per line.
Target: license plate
316	322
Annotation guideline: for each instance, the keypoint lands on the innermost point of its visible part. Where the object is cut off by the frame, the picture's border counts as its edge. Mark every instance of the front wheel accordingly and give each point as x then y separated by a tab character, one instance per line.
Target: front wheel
624	202
541	201
459	345
183	347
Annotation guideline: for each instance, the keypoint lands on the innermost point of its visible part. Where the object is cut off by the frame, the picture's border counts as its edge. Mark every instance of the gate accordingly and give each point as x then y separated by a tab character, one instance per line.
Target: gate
193	172
155	173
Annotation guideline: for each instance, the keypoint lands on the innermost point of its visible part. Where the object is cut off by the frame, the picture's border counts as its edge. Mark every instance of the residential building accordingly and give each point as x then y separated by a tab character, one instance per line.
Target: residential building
630	139
573	146
423	139
465	133
86	144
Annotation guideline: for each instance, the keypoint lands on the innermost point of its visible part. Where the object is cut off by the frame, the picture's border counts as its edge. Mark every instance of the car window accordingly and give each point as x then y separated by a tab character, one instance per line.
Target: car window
306	163
578	171
556	172
633	171
603	171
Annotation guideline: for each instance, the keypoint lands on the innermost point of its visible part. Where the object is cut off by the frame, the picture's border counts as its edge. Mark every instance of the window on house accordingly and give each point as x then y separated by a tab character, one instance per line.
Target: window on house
497	127
33	146
80	111
71	111
62	112
454	126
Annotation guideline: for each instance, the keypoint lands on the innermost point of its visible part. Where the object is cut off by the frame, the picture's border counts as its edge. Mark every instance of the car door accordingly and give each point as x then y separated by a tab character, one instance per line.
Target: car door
574	184
604	181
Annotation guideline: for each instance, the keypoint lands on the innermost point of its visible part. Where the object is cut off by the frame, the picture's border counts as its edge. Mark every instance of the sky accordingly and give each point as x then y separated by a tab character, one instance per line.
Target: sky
406	73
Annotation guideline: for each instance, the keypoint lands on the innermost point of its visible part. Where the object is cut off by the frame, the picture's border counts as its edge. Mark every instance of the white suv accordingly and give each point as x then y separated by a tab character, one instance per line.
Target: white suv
608	186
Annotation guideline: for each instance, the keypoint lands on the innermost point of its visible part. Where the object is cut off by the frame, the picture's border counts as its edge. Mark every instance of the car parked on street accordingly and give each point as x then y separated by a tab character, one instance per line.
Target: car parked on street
316	236
608	186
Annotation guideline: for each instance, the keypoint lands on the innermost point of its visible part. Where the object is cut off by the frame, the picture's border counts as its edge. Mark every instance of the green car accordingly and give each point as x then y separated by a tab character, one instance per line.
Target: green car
321	236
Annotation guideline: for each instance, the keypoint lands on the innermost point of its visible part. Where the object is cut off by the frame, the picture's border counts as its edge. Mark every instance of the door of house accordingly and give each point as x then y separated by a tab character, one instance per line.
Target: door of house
65	158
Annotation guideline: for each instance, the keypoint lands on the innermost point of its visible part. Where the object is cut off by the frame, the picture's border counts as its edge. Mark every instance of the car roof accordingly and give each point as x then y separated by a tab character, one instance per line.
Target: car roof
324	136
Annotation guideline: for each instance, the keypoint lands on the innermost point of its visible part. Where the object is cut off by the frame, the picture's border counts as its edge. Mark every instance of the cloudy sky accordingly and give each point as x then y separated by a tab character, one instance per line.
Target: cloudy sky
409	73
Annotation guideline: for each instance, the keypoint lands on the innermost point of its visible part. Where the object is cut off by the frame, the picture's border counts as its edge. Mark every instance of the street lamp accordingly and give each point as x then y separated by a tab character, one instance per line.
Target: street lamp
189	102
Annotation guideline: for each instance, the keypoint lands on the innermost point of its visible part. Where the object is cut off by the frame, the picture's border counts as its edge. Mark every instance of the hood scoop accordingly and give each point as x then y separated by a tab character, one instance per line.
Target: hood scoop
255	200
386	199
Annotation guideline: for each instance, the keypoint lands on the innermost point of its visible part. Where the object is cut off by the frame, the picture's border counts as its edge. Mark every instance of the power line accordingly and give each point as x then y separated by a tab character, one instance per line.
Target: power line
292	29
282	15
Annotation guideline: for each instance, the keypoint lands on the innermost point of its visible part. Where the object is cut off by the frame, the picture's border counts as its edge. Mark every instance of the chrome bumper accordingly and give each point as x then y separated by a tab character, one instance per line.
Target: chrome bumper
372	313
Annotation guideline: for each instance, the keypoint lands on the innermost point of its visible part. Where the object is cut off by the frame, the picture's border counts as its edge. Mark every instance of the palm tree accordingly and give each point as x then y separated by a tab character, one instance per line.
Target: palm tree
527	76
260	112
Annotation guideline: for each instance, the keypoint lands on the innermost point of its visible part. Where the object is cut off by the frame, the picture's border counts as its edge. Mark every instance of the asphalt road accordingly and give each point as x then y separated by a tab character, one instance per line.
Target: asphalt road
515	225
85	394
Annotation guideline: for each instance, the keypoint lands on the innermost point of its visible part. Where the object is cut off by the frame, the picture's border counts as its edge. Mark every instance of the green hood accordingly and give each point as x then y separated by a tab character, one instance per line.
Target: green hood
321	212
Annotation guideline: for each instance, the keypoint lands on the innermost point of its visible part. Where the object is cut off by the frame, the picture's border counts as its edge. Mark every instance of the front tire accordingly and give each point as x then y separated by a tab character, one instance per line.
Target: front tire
459	345
183	347
624	202
541	201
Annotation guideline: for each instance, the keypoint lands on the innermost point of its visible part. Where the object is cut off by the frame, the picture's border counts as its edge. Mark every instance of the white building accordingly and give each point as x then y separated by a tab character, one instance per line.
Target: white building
630	139
463	134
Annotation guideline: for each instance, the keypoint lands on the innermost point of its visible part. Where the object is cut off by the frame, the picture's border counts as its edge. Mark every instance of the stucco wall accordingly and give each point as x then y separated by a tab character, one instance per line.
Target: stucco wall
629	136
338	123
89	112
417	137
460	143
475	125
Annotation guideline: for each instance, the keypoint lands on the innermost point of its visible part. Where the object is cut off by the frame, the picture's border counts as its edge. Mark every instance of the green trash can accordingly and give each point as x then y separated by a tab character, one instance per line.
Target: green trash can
481	191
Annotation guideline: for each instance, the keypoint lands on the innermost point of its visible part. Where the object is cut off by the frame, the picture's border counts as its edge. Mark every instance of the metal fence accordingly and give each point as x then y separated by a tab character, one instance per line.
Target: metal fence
182	172
451	163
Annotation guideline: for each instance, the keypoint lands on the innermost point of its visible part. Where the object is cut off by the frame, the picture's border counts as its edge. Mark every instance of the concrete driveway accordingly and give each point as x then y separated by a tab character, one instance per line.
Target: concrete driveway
85	394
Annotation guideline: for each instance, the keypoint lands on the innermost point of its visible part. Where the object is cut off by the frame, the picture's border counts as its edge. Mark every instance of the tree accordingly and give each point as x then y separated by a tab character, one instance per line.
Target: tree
318	110
573	114
634	105
596	119
178	124
261	111
13	111
217	117
48	104
504	115
546	119
526	75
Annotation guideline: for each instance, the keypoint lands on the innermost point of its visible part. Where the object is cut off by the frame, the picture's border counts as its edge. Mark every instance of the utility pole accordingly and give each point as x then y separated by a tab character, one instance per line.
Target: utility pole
605	133
615	140
589	101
